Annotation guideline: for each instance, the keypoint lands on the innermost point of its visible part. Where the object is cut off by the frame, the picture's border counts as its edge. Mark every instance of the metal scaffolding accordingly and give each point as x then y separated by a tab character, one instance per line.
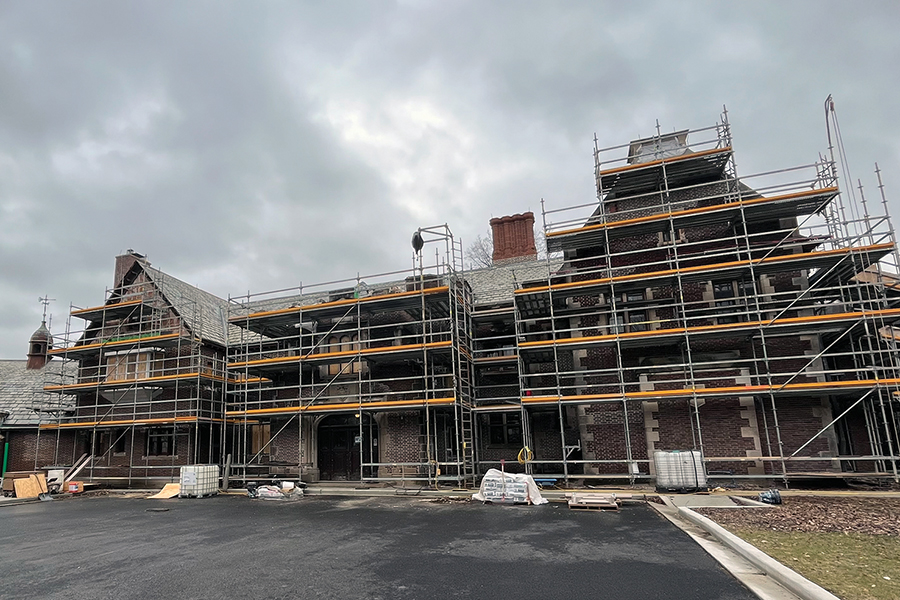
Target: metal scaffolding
367	378
687	288
146	394
749	318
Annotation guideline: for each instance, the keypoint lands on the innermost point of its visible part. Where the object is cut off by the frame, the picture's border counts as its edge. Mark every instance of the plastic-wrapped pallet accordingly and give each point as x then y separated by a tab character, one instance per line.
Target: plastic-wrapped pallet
199	480
511	488
679	470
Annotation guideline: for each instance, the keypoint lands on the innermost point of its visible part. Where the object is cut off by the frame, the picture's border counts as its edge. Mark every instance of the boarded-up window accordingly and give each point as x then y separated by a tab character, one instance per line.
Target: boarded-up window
344	343
259	439
136	365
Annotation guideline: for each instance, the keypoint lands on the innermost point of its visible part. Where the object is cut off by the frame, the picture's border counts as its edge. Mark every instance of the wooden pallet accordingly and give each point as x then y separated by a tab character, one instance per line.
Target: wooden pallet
207	495
581	501
611	507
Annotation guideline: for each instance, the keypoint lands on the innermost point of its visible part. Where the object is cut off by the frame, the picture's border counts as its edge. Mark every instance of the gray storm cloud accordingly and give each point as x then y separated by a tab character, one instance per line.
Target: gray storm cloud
252	146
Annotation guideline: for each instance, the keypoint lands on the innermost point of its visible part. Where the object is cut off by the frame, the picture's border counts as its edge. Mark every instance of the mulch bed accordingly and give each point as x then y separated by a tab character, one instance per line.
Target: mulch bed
873	516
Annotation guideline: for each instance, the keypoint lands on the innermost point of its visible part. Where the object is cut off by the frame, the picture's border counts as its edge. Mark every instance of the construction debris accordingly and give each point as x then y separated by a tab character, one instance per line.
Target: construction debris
271	492
33	486
580	501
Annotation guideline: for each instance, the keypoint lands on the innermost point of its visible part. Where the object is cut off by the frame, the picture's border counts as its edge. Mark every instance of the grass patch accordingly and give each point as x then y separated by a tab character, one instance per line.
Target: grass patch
852	566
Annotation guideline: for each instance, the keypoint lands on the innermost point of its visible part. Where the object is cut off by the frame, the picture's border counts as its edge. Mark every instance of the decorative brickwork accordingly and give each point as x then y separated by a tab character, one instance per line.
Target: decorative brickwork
513	238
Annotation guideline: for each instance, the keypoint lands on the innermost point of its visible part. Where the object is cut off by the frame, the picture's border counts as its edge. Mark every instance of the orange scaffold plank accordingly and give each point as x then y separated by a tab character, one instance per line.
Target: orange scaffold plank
343	406
692	211
723	327
137	340
722	391
341	354
143	381
702	268
673	159
346	301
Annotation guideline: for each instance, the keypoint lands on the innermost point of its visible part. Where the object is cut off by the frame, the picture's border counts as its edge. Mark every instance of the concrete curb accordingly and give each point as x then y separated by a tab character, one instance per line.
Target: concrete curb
750	502
19	501
788	578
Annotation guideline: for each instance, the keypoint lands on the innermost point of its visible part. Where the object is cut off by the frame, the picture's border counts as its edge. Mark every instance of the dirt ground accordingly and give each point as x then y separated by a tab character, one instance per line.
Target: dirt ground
867	515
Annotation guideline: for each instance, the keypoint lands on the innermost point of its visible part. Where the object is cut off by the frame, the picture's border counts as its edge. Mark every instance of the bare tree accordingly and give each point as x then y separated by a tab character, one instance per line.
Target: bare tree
480	252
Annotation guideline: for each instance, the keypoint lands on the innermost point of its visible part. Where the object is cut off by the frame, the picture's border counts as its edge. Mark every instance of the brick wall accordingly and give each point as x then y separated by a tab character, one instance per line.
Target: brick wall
398	434
606	437
28	450
799	419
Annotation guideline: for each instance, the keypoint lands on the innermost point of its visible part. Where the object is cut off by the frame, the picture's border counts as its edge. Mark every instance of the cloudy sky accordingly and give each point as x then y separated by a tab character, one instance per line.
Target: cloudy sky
252	146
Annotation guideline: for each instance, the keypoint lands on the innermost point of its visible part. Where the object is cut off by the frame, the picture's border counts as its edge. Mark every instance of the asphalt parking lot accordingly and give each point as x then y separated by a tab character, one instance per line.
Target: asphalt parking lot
235	547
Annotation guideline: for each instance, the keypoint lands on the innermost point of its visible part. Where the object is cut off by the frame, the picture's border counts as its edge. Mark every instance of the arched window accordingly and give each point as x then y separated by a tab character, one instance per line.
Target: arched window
332	345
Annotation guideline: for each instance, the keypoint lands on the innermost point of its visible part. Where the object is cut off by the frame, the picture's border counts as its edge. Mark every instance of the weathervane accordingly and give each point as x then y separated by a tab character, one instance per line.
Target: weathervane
46	300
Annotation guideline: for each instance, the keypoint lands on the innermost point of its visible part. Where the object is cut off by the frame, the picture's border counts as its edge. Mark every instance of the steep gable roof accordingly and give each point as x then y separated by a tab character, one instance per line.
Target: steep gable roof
205	314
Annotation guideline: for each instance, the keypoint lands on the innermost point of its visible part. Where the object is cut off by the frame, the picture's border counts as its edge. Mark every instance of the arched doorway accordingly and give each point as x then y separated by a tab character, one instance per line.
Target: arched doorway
340	447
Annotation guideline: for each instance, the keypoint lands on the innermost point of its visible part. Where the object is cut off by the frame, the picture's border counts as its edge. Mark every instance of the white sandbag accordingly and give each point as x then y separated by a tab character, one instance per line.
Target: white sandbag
510	488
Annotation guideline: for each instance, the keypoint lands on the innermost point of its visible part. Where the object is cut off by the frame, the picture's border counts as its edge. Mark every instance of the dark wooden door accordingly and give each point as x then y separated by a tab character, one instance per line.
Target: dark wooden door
339	443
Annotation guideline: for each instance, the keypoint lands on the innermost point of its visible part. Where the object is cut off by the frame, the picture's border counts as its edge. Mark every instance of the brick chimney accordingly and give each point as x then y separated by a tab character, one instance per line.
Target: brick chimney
124	262
513	238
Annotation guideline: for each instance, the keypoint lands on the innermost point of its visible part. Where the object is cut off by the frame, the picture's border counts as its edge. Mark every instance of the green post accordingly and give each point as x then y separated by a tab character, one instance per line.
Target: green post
5	456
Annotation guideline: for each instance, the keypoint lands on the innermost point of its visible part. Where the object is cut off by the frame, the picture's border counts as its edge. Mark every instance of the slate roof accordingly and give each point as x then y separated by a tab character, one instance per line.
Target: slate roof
204	313
497	284
22	391
490	285
207	315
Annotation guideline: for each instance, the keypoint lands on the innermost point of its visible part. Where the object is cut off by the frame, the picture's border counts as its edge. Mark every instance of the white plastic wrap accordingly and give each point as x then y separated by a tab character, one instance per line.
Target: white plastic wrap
510	488
679	470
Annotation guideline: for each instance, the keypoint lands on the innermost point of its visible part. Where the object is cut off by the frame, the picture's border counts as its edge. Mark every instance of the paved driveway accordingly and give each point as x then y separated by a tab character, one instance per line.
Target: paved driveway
234	547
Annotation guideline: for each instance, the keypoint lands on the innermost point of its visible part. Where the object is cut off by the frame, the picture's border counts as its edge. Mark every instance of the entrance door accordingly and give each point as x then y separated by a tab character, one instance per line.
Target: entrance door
339	444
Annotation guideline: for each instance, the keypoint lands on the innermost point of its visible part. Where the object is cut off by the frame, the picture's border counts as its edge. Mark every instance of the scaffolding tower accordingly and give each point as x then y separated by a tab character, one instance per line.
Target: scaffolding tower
366	379
145	395
698	310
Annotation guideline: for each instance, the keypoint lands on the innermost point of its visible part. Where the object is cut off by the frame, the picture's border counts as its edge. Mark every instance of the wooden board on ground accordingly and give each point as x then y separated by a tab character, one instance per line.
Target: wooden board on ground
170	491
593	502
27	487
10	476
42	482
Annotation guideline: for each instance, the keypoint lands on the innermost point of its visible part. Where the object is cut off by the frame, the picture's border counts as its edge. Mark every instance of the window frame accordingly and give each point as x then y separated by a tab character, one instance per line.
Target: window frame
158	435
509	422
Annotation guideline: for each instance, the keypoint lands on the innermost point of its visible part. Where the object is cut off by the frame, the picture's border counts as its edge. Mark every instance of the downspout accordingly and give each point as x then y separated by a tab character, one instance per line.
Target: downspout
5	457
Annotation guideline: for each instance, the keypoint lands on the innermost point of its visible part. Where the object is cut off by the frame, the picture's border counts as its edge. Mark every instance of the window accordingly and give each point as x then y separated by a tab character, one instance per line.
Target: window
723	292
666	239
122	367
209	367
723	289
637	320
634	296
747	289
260	435
161	442
120	443
344	343
505	429
615	324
